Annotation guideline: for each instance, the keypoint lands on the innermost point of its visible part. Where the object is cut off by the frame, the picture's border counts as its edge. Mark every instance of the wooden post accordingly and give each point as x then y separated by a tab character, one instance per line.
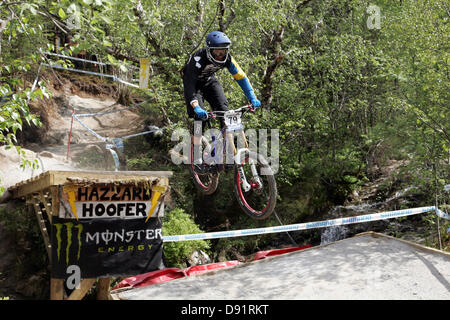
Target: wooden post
85	285
56	289
103	289
40	218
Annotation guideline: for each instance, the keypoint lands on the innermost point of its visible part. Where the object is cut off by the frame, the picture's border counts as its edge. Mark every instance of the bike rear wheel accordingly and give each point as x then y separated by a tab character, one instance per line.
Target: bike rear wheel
260	200
206	182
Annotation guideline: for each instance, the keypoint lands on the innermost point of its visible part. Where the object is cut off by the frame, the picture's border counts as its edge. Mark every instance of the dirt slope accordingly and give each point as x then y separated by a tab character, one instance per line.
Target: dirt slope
48	146
50	149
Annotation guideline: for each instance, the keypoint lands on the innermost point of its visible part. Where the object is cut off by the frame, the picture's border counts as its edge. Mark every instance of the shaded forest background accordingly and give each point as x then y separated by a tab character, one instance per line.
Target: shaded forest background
349	84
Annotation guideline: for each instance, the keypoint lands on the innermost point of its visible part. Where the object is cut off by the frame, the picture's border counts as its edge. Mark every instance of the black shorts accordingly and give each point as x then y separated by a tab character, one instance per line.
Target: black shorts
213	93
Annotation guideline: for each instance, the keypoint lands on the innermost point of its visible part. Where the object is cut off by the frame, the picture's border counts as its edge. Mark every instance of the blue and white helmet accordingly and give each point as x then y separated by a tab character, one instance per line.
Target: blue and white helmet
217	40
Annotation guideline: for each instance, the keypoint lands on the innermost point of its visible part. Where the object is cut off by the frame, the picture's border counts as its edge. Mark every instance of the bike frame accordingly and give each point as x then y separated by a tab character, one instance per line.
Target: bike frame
228	133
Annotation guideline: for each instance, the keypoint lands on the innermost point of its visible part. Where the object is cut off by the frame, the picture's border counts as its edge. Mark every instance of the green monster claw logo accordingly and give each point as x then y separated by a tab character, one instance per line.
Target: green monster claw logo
69	227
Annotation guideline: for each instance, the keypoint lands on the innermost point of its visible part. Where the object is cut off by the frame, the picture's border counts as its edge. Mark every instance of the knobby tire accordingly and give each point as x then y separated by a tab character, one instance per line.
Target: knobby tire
266	197
205	182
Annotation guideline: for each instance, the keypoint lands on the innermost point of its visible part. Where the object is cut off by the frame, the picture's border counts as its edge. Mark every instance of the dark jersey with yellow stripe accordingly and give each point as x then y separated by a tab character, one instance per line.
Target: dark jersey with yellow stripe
200	69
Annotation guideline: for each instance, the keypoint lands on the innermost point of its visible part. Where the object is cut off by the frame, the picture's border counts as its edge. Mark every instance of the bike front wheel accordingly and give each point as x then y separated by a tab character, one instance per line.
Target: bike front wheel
256	194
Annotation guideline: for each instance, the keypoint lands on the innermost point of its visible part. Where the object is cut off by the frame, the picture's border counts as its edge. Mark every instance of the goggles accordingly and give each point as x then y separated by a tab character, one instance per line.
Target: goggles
219	54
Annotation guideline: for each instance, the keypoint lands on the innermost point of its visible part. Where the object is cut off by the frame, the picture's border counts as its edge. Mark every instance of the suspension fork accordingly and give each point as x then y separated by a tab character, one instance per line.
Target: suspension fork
256	180
245	185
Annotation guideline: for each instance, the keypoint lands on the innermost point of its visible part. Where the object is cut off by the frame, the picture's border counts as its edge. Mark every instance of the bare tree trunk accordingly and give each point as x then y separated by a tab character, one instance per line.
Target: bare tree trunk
144	25
201	12
223	25
3	24
170	73
277	57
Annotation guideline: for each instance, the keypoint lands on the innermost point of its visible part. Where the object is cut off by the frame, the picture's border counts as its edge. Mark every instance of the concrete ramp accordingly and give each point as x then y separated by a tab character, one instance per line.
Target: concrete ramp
368	266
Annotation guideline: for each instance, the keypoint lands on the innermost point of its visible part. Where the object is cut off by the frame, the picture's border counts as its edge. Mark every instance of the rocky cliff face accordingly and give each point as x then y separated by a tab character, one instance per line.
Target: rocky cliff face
388	192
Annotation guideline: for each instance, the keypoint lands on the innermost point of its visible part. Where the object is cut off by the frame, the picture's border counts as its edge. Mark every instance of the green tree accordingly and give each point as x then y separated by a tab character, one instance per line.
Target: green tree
344	94
27	29
177	222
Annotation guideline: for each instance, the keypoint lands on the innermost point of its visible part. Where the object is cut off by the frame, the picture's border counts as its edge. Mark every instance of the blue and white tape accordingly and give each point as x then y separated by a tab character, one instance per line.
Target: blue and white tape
115	156
85	60
74	58
305	226
89	129
138	134
442	214
118	142
59	67
113	77
83	115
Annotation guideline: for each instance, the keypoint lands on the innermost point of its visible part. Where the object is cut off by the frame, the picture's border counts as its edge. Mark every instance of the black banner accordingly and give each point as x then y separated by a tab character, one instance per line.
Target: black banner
106	247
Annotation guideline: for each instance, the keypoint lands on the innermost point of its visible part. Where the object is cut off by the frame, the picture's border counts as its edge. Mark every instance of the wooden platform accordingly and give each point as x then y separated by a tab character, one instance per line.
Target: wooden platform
46	194
57	178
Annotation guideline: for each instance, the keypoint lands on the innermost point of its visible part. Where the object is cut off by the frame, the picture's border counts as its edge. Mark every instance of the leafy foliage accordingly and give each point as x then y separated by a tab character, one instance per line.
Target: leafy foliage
178	222
345	96
21	223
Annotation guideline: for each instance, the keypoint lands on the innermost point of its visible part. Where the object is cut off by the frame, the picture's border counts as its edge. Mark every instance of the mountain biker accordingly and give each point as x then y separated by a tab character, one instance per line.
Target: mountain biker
200	83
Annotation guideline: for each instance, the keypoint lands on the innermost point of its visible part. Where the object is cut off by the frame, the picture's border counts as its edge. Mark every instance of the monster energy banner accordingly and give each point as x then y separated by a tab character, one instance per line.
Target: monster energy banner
106	247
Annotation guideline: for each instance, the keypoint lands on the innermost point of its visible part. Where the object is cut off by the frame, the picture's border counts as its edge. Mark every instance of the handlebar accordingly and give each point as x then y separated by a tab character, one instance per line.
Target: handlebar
220	114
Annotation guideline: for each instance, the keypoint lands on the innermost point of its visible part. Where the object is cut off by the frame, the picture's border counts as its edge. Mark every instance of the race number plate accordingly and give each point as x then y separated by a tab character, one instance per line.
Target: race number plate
232	119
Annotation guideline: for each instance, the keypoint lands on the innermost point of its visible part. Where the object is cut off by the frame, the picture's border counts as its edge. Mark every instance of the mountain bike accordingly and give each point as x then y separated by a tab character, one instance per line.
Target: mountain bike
254	182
